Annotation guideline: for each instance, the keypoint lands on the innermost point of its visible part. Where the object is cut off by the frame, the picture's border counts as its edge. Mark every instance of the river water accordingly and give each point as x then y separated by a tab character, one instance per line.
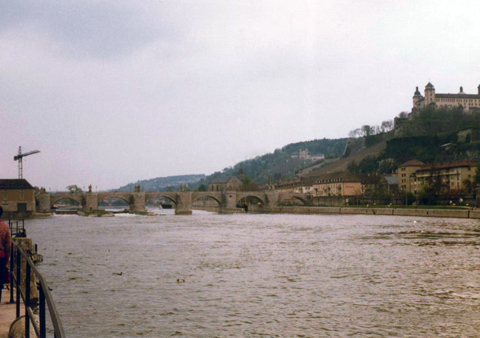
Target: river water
263	275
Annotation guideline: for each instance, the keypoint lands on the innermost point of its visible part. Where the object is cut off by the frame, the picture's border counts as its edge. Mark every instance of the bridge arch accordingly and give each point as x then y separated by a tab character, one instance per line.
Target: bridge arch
123	198
250	202
78	199
283	199
114	202
167	196
250	196
203	196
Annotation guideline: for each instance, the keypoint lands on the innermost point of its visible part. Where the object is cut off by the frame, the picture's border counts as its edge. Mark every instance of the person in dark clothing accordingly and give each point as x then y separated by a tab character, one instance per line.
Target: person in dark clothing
5	243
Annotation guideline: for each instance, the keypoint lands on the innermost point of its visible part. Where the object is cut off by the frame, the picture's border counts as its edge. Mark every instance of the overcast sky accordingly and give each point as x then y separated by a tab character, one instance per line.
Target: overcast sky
112	92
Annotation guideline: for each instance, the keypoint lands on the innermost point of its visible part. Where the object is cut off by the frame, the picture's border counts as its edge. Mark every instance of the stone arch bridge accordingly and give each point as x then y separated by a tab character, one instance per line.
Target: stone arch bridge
268	201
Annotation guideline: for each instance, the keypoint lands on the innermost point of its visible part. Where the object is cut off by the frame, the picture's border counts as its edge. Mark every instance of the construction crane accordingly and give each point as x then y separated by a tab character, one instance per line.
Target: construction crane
20	157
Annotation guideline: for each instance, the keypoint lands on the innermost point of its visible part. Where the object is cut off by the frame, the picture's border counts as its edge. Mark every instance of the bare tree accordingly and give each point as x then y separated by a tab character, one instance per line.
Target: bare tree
366	130
386	126
355	133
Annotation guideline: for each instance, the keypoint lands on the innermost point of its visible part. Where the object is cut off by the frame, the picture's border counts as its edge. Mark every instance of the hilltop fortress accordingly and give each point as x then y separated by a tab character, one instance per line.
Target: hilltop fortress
404	125
467	101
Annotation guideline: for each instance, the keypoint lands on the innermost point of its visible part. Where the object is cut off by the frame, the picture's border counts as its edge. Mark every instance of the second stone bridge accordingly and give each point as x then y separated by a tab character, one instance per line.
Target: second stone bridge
267	201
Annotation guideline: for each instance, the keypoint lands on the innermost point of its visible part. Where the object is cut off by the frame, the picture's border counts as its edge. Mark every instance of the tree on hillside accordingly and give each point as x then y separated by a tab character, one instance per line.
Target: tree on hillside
74	189
477	173
356	133
248	184
386	126
468	186
202	187
367	130
246	180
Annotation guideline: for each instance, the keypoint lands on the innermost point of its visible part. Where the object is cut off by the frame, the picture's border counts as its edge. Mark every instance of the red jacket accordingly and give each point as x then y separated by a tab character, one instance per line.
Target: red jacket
5	241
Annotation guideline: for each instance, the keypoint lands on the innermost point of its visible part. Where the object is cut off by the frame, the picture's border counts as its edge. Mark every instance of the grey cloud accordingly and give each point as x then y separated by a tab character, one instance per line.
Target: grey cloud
87	29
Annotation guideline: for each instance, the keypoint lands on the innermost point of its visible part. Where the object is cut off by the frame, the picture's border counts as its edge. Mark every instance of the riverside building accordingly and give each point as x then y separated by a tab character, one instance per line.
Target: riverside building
17	196
414	174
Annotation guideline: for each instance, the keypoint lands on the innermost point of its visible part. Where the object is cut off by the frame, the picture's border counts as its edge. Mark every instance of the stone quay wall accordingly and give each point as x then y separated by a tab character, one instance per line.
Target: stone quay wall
450	213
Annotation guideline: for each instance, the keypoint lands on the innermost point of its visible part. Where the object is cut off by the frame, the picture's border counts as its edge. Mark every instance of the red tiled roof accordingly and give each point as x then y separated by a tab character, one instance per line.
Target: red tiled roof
446	165
345	176
412	163
297	182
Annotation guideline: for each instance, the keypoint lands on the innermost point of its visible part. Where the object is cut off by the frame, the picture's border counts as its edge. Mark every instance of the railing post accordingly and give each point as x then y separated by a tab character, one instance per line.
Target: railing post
27	300
17	281
43	330
12	257
29	294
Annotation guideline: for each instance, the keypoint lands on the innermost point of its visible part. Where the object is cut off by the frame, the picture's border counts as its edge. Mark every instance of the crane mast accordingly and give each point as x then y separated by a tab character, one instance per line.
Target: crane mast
20	157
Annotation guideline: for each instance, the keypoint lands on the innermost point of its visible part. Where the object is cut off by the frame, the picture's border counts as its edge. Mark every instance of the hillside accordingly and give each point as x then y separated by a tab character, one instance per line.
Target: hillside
163	183
359	154
430	135
280	163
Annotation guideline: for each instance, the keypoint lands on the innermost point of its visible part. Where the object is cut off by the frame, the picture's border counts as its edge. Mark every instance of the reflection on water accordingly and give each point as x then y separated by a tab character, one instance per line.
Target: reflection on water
209	275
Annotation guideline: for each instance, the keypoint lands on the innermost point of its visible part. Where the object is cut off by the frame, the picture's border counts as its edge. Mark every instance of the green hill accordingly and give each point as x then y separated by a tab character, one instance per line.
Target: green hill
280	163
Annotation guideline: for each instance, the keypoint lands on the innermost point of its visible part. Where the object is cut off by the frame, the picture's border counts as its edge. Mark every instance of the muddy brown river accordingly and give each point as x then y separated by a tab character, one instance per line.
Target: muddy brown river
210	275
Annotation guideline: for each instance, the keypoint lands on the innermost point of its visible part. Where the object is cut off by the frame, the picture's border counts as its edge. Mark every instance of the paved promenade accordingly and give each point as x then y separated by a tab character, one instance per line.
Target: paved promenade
7	314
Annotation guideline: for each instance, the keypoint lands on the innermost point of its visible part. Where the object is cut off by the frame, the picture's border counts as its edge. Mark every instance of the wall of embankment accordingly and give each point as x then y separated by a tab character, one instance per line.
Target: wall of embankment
453	213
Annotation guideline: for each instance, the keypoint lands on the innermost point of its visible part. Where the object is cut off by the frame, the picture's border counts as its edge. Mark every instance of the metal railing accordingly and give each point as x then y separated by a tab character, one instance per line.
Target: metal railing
17	228
18	255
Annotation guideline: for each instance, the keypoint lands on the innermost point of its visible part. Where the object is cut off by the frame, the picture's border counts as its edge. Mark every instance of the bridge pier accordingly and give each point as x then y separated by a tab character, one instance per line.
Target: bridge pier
90	202
229	203
138	201
183	204
271	201
43	203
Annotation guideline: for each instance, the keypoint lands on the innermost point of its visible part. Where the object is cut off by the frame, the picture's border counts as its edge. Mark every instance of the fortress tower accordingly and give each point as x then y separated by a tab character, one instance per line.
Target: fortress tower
429	93
417	98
